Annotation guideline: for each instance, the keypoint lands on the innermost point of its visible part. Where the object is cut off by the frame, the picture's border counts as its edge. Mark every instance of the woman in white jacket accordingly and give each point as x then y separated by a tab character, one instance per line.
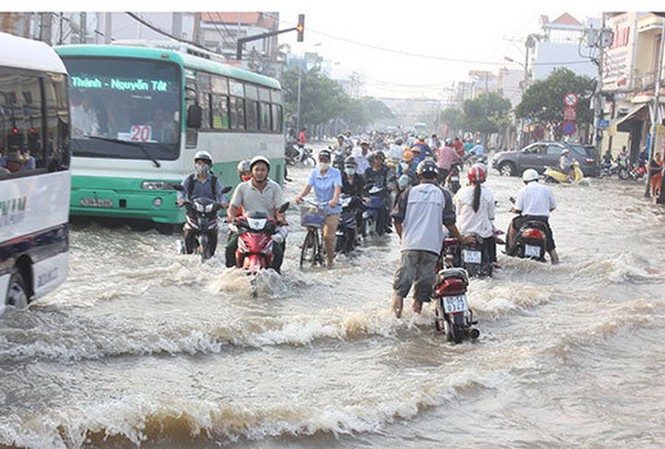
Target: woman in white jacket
475	209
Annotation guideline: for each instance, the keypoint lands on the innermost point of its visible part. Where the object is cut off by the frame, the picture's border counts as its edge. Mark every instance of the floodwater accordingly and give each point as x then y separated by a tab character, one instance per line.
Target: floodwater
145	348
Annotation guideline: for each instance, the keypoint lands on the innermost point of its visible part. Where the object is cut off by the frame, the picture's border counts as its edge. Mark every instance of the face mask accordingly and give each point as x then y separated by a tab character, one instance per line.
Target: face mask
350	171
324	165
202	168
246	178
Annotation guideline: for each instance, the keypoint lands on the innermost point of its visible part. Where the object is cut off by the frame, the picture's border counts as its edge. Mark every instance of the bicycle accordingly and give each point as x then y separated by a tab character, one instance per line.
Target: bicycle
312	216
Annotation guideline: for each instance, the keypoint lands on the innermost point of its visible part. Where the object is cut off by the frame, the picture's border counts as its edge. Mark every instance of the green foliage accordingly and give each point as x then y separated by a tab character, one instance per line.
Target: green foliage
542	103
322	100
489	113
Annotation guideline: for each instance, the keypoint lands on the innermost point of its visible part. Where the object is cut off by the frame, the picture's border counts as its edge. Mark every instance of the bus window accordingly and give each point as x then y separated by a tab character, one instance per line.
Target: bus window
21	123
276	118
264	117
252	115
220	111
57	122
204	89
237	109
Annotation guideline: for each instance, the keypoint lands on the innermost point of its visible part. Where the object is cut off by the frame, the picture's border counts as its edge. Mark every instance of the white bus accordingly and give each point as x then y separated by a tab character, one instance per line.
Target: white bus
140	113
34	171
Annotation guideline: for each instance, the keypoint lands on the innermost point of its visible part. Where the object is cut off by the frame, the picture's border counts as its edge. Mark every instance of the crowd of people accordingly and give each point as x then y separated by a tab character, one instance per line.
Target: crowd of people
418	204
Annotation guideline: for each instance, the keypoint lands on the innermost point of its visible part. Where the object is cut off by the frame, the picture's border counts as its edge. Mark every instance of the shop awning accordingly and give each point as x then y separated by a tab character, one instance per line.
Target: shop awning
623	124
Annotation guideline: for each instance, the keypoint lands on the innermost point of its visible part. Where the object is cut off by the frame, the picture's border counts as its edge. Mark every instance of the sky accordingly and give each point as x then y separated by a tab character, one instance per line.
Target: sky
414	48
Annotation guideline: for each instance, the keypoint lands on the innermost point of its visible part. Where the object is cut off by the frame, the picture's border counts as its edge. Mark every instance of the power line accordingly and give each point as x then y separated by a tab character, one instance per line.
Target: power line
158	30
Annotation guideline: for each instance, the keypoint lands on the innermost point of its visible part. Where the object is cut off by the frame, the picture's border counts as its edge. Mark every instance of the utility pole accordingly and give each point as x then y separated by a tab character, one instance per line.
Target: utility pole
598	99
299	91
656	100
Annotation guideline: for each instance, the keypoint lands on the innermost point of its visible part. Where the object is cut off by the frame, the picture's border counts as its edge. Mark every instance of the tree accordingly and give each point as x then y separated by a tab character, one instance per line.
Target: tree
486	114
323	99
542	103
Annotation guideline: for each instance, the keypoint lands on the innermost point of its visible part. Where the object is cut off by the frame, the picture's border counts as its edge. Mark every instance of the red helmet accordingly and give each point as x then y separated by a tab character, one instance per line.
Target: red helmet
477	174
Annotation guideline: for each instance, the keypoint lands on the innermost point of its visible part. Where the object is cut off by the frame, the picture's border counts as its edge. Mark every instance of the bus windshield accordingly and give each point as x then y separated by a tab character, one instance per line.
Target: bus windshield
115	101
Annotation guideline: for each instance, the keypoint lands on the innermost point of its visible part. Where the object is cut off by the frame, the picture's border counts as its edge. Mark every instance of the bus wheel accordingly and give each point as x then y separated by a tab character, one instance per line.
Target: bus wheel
17	295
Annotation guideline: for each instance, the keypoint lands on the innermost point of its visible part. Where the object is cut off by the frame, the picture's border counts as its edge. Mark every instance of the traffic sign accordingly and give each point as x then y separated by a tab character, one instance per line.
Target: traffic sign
569	114
602	124
570	99
569	127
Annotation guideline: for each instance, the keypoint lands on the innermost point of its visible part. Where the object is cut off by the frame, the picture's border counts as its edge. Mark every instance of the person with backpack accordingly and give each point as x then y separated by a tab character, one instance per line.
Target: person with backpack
201	183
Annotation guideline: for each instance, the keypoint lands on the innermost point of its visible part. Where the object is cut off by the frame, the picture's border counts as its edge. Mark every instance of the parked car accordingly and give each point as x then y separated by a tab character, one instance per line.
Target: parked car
541	154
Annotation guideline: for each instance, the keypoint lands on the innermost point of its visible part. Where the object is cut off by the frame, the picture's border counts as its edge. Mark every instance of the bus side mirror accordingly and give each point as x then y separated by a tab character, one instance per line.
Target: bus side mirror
194	116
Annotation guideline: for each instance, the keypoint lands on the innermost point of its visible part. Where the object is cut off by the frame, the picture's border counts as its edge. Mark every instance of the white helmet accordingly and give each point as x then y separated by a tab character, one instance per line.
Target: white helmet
204	156
530	175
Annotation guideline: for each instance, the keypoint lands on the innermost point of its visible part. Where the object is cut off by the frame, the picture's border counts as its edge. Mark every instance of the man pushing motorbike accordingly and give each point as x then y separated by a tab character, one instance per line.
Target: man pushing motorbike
420	215
259	194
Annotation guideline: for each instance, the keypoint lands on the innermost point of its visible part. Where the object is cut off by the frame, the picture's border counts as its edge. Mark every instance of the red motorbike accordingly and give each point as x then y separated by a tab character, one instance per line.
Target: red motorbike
453	315
255	240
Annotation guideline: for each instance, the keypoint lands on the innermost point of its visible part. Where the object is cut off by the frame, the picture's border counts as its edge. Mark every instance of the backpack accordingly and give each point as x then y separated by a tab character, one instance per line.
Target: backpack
190	189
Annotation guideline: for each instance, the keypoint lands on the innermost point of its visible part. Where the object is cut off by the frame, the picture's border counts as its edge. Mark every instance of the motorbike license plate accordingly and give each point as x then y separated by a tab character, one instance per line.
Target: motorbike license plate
455	304
471	256
454	178
96	202
531	251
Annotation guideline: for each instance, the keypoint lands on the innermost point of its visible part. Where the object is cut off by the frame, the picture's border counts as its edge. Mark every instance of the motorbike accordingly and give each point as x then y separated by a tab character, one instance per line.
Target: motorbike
347	230
202	221
613	168
295	154
453	178
255	242
555	175
374	214
453	315
475	258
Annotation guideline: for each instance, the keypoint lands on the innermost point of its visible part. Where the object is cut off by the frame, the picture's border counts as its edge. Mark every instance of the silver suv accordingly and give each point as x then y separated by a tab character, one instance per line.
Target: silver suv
541	154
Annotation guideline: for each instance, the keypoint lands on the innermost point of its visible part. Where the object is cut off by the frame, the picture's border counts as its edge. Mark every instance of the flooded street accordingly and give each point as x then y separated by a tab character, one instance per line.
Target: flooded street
142	347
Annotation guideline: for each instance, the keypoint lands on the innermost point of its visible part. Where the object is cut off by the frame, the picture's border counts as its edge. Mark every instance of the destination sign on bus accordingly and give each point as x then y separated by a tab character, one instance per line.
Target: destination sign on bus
132	85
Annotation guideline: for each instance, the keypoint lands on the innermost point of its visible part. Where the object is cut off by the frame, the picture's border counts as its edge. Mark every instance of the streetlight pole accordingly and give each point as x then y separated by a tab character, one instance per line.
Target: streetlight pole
299	88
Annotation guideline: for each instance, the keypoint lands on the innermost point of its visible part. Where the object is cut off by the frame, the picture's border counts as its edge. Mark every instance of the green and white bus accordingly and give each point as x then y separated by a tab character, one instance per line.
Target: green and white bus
139	114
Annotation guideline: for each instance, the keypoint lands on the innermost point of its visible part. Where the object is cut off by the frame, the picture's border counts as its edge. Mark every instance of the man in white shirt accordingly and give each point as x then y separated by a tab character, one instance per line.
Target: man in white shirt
534	202
362	157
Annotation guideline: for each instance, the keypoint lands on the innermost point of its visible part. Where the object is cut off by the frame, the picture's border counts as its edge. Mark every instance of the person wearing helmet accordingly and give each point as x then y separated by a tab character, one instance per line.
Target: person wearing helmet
244	170
534	202
380	175
326	181
420	215
362	156
566	164
445	158
352	183
474	205
202	183
258	194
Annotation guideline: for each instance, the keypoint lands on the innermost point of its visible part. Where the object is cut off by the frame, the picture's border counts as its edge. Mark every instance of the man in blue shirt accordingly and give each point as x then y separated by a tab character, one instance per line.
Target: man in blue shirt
201	184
